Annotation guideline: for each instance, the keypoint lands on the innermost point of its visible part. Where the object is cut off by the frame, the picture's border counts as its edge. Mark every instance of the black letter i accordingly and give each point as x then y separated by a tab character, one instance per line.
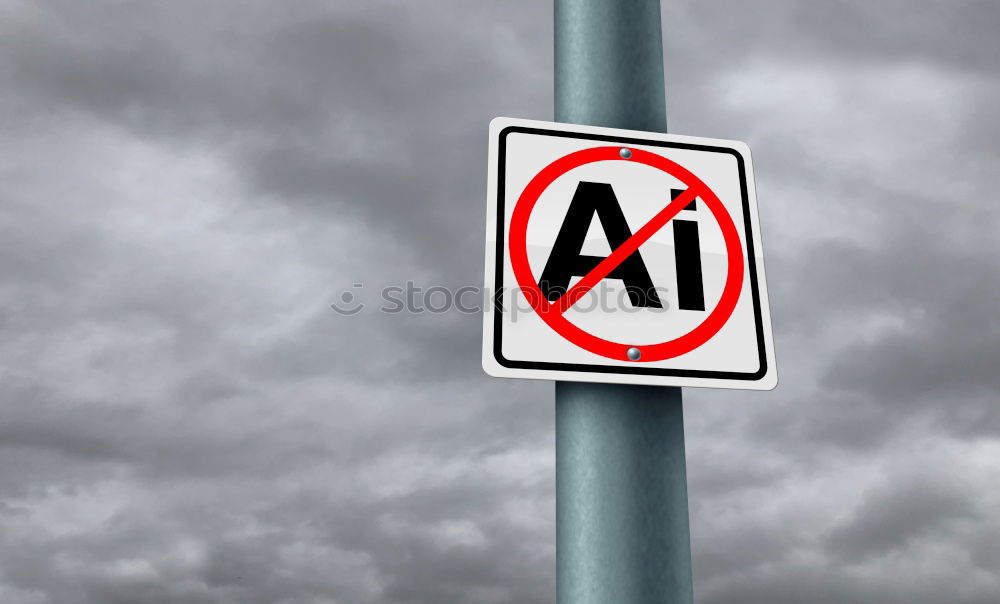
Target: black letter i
687	256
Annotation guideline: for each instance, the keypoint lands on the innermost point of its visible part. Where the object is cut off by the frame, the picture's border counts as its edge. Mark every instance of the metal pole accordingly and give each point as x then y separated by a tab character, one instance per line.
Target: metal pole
622	531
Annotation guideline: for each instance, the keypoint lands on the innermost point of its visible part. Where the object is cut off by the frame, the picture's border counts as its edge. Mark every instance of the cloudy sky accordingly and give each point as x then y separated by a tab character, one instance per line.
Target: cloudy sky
186	187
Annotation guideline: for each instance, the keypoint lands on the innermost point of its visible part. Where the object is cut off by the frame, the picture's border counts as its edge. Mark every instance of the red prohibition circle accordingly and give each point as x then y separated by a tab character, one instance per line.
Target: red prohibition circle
552	312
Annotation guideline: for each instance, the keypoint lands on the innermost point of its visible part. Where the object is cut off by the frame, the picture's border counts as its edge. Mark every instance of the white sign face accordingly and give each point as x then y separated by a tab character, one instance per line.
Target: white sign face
624	256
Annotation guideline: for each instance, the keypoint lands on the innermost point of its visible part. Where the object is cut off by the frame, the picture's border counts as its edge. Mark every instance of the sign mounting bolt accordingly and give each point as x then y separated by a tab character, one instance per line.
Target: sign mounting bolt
625	153
633	353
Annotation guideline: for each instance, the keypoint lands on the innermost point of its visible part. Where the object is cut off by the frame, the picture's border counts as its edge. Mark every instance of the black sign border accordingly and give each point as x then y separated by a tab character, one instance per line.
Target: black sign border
621	369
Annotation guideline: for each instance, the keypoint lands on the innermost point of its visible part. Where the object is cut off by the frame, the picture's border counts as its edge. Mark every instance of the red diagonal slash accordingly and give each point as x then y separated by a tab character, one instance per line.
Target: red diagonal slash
623	251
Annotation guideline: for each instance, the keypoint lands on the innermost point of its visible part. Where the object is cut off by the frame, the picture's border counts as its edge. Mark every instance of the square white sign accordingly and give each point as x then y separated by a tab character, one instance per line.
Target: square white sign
624	256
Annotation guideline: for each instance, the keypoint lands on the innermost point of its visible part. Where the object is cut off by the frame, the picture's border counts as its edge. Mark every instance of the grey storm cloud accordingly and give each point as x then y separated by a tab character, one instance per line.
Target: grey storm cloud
186	188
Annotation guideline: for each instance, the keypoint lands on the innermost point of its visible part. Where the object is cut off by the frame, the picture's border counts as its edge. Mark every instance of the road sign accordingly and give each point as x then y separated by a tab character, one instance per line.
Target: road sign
624	256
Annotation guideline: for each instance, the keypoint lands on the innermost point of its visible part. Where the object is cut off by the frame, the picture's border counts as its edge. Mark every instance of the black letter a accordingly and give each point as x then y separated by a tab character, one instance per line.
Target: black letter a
565	261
